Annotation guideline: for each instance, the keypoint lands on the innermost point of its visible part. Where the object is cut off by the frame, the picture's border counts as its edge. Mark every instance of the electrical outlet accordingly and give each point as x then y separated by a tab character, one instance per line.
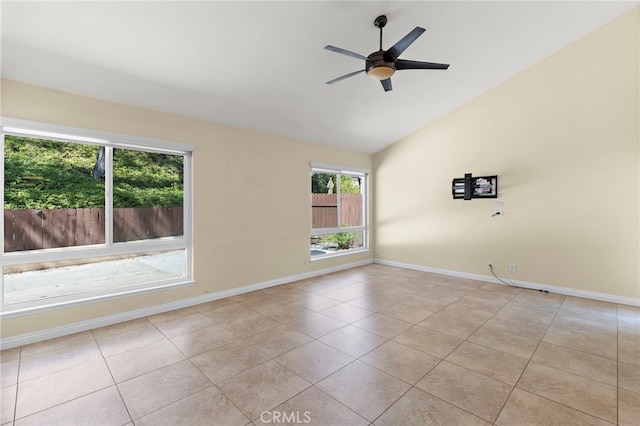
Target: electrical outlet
489	265
512	267
381	250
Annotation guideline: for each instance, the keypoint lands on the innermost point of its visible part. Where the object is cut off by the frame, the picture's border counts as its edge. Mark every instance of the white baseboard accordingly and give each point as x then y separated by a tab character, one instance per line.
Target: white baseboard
526	284
51	333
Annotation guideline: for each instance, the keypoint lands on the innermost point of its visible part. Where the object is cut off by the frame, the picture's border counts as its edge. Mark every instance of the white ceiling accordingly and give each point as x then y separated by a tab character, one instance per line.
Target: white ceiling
261	65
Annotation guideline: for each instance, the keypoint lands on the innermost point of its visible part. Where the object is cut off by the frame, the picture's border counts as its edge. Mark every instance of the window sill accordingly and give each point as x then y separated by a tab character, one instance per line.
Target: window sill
331	255
28	309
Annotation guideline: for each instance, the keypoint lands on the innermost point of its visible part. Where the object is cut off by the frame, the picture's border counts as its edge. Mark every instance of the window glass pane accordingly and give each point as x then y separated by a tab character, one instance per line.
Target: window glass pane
333	243
324	200
148	195
51	197
46	280
351	201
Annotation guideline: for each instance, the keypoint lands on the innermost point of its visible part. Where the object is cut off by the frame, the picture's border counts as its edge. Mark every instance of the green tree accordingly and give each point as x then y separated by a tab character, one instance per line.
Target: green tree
319	182
348	184
45	174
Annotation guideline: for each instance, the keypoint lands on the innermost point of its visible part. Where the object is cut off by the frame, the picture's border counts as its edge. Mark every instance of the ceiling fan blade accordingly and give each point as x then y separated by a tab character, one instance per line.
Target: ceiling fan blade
351	74
345	52
403	64
402	44
386	84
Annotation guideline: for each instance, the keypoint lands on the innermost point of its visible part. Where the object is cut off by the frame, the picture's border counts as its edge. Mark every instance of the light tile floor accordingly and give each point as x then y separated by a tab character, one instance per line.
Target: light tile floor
372	345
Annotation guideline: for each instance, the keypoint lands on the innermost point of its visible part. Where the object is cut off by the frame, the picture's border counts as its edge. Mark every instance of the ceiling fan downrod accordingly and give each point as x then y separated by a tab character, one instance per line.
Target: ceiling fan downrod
380	22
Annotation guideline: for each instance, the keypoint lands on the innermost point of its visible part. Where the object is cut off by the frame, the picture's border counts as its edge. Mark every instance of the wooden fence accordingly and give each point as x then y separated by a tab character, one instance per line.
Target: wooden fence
324	210
27	229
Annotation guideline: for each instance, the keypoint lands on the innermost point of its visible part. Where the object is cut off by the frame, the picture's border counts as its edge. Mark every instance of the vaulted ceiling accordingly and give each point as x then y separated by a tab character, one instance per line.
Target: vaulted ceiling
261	65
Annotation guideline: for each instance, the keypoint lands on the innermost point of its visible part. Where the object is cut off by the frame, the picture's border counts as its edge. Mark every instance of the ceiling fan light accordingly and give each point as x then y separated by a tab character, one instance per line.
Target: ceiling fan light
381	72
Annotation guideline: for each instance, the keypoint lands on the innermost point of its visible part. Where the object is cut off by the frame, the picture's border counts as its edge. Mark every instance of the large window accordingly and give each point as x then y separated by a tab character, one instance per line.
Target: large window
338	210
90	215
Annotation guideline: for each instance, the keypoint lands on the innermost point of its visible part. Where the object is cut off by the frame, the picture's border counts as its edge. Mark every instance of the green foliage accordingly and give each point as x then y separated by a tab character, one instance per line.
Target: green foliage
319	183
348	185
147	179
47	174
343	239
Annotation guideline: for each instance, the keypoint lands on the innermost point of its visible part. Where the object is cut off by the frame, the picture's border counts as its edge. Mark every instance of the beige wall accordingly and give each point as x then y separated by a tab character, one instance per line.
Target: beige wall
251	195
563	137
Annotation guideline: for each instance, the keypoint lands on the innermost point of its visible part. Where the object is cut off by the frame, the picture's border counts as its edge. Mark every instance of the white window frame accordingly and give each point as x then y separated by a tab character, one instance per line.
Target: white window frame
364	228
26	128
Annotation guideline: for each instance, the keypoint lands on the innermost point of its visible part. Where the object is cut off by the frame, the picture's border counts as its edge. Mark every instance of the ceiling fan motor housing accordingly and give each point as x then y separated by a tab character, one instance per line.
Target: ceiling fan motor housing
377	60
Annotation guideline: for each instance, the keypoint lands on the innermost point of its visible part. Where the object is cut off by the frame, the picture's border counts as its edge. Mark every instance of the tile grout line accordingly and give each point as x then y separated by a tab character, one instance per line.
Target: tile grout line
66	401
413	386
186	358
556	315
515	386
314	385
15	404
564	298
115	383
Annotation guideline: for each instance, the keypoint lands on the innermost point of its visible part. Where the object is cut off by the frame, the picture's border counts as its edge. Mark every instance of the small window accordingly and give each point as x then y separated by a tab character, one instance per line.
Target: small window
338	211
88	218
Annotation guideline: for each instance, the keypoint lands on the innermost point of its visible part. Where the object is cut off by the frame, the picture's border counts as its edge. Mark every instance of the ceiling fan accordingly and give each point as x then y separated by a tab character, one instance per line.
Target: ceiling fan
381	65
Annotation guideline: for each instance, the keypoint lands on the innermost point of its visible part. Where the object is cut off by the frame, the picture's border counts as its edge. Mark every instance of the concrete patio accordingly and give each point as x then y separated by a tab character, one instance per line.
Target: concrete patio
78	279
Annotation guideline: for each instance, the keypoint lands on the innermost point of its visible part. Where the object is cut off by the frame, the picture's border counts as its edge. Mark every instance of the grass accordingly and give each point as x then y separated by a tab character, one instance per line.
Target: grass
43	174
